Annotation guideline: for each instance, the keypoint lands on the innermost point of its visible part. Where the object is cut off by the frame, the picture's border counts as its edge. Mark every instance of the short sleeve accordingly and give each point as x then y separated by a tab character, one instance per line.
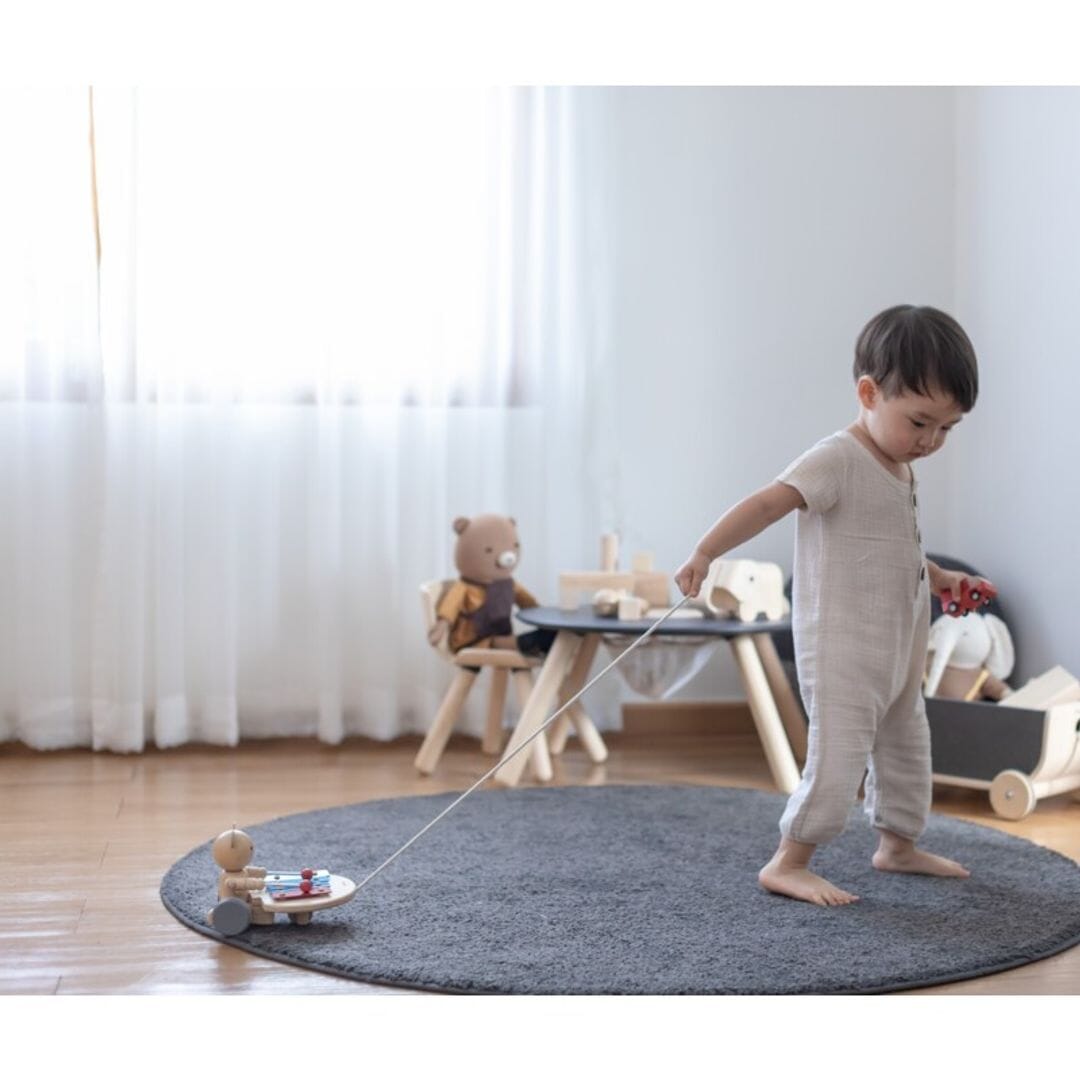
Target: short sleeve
817	475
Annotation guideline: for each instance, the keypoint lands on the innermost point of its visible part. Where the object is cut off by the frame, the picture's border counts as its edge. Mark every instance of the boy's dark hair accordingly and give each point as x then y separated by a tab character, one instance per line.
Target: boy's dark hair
921	350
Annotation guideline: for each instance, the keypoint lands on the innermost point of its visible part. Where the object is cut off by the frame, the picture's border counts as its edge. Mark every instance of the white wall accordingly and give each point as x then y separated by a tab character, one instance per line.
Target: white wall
1016	497
754	231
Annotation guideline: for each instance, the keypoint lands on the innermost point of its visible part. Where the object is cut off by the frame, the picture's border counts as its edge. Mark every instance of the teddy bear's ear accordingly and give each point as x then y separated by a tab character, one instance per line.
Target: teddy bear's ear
460	525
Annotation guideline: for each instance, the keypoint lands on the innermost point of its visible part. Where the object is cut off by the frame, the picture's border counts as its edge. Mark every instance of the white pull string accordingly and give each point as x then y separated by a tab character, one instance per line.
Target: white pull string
509	757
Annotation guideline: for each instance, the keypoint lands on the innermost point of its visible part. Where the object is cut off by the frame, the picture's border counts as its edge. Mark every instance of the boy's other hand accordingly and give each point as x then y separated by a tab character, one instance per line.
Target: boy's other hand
692	573
952	581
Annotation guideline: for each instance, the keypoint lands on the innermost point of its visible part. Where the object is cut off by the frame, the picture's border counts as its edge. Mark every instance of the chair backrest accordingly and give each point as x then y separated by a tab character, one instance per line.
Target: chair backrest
431	593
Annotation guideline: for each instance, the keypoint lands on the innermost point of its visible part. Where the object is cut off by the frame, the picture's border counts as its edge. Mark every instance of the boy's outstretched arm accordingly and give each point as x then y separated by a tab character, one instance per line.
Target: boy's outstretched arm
741	523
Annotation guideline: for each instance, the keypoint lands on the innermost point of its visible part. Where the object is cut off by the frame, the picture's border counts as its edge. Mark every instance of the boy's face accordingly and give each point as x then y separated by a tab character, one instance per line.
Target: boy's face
910	425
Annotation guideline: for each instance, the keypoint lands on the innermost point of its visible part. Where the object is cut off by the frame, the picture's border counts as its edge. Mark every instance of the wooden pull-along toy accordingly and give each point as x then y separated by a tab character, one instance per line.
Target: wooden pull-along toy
252	894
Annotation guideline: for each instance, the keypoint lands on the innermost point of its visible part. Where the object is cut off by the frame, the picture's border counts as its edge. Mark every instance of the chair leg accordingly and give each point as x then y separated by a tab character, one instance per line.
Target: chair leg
493	733
435	741
538	753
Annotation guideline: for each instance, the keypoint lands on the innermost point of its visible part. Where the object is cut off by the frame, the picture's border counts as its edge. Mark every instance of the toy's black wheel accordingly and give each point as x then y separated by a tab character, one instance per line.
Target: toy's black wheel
231	917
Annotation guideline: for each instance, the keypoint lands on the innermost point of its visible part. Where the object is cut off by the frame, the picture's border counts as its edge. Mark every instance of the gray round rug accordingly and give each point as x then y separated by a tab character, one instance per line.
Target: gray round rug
638	890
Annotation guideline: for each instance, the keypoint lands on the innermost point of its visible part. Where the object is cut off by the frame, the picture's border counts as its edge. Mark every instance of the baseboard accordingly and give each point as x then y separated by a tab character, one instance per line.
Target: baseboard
687	718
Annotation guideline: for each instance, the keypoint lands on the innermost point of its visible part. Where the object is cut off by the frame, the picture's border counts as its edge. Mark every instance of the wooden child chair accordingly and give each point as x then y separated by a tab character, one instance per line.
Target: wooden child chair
503	662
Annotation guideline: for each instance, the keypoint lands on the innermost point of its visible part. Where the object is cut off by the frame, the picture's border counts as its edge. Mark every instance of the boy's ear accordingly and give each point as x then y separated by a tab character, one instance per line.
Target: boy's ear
868	391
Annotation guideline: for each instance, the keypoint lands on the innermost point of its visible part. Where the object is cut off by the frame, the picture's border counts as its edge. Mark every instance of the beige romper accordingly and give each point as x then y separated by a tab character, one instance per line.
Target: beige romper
860	618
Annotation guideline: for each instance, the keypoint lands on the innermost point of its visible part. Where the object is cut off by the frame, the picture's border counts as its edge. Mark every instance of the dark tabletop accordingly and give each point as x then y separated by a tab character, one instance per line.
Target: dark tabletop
584	621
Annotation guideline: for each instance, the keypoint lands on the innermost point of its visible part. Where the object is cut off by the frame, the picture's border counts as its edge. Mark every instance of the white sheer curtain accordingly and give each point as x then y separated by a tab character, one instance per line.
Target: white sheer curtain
265	346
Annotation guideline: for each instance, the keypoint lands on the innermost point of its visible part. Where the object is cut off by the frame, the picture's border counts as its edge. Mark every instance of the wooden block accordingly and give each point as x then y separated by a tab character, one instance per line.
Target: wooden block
573	582
632	608
642	562
606	602
609	552
1053	687
652	586
654	613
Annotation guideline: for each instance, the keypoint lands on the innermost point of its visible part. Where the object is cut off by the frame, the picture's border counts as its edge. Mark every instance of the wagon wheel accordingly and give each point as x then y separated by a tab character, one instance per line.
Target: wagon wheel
231	917
1012	795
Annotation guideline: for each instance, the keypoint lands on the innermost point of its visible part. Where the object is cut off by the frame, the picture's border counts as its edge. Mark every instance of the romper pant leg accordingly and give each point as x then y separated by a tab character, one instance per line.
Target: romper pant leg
839	741
898	786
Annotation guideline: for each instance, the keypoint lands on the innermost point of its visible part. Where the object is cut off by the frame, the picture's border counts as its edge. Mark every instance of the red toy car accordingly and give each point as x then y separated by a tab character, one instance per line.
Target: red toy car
970	599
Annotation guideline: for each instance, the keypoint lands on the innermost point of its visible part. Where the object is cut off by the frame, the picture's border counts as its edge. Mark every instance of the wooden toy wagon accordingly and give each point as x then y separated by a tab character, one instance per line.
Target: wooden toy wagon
251	894
1019	755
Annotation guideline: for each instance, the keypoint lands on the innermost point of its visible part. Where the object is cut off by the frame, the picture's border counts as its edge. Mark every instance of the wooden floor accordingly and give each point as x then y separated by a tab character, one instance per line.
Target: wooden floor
87	838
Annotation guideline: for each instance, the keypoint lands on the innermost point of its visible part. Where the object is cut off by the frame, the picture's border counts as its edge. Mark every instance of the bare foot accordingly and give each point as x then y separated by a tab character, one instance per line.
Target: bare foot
801	884
913	861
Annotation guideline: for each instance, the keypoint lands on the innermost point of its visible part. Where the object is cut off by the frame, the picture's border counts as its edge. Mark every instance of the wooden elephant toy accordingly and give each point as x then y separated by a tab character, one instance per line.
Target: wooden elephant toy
745	589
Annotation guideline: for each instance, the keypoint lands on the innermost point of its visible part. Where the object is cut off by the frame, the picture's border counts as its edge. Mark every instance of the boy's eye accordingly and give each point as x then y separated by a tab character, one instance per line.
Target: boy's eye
918	423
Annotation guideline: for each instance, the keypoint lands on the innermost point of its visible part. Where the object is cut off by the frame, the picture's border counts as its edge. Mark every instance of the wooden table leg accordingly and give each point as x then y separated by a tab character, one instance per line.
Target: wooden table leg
541	702
538	754
576	715
770	730
790	712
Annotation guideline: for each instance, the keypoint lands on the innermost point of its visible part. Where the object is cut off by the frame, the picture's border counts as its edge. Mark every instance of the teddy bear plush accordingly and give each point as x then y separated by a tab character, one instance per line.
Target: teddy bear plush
475	610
